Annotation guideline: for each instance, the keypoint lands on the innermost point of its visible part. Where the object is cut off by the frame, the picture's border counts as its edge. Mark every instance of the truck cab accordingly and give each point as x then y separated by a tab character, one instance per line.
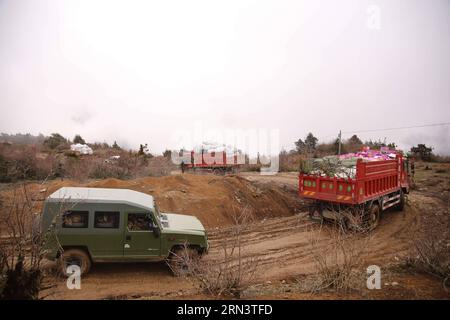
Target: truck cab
93	225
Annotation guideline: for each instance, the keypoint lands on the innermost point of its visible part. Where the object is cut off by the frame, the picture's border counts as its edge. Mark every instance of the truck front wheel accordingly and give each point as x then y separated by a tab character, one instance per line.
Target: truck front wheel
76	257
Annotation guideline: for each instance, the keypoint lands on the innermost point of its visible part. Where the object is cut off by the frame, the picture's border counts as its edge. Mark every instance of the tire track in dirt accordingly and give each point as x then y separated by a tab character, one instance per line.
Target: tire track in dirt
283	246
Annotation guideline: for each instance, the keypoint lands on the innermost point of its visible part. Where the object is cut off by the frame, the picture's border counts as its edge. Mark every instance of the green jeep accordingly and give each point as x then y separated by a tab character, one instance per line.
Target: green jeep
115	225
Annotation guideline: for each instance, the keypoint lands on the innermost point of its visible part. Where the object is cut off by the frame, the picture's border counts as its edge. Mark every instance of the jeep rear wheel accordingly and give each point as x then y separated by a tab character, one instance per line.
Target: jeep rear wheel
76	257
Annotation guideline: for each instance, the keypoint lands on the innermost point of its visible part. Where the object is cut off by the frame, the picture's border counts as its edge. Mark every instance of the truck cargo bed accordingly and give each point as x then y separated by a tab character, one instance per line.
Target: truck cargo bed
373	179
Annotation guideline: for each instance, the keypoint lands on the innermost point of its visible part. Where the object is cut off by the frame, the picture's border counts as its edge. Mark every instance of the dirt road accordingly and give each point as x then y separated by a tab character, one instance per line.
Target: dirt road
281	244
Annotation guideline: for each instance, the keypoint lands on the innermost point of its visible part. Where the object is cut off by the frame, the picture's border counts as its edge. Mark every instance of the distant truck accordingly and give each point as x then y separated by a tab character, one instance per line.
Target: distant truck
217	162
358	201
116	225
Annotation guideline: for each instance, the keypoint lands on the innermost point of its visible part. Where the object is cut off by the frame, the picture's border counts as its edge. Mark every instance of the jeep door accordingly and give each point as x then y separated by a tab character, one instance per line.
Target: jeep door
104	238
140	242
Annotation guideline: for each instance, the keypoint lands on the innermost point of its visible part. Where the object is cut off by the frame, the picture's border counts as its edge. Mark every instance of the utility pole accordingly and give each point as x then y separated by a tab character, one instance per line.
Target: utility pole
339	137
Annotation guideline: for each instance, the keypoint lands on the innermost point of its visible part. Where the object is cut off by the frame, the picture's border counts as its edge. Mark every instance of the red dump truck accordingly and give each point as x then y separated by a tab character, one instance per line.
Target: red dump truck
357	200
217	162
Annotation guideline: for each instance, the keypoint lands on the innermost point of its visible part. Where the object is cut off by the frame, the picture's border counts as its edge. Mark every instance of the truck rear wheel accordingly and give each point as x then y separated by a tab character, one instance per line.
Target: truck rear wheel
76	257
372	217
315	213
401	204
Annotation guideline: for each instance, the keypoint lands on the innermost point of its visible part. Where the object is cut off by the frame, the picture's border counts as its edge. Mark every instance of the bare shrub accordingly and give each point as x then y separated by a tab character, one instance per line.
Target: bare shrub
131	165
338	258
104	170
251	167
160	166
20	249
290	161
36	162
75	168
440	158
431	251
23	162
228	275
23	244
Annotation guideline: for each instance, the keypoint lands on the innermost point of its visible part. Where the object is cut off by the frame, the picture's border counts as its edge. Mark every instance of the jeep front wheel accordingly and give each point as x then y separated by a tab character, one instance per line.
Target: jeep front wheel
183	261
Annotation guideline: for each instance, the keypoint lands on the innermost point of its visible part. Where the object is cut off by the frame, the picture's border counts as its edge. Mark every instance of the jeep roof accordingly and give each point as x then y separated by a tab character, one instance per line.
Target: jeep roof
103	195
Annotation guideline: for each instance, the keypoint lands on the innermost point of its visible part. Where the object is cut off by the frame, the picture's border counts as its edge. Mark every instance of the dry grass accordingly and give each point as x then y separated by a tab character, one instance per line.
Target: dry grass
24	243
431	254
231	274
21	249
338	259
34	162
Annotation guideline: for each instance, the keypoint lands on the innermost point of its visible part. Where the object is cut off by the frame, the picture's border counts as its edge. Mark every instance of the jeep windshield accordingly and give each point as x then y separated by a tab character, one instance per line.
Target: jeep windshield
162	218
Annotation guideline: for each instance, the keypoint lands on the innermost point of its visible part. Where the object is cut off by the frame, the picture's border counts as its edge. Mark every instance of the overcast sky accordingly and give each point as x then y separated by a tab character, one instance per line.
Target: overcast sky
134	71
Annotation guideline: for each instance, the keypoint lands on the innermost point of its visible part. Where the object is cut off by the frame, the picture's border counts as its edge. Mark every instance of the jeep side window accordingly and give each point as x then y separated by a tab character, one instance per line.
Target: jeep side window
139	222
75	219
108	220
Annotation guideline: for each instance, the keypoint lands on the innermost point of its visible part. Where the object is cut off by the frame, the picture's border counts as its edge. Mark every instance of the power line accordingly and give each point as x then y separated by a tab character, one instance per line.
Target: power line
399	128
321	138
